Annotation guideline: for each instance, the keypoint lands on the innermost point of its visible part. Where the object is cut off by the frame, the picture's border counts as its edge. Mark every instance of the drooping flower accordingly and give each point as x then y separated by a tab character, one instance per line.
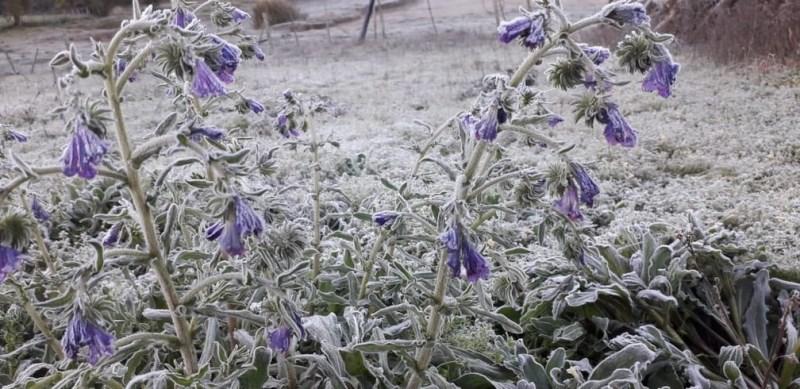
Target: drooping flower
568	205
226	60
280	339
197	134
597	54
630	13
16	136
10	260
617	131
238	16
513	29
588	187
206	83
554	120
461	253
486	128
240	221
112	235
183	17
39	213
82	332
287	127
662	74
385	219
255	106
84	152
530	29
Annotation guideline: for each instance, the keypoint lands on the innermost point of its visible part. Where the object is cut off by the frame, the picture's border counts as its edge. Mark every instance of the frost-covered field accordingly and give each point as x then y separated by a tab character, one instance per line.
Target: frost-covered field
725	146
407	212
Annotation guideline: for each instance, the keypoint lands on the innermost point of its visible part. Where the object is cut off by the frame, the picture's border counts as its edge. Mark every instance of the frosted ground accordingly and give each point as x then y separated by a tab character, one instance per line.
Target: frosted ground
725	146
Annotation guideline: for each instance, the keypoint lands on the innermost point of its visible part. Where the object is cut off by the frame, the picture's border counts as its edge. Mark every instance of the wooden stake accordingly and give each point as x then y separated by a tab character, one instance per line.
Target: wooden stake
10	62
433	21
365	26
35	57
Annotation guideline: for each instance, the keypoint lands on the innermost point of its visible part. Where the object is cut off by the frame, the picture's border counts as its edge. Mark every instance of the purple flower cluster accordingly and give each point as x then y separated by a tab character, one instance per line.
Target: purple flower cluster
461	253
485	128
662	74
584	192
617	131
240	221
529	29
287	127
254	106
82	332
10	260
84	152
225	62
385	219
238	16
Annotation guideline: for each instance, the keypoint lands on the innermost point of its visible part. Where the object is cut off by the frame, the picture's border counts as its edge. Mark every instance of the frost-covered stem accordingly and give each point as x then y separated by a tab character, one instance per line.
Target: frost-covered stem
49	171
370	263
424	354
316	265
462	185
38	321
145	218
37	236
135	63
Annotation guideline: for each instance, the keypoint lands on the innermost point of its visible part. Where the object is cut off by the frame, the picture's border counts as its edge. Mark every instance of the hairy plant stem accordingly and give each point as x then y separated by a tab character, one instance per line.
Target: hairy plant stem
38	320
463	183
370	263
145	218
49	171
37	236
316	266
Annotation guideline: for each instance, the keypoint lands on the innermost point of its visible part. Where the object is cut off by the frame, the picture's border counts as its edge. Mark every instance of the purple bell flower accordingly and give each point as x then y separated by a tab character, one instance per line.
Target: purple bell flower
588	187
84	152
206	83
529	28
617	131
662	76
10	260
385	219
197	134
183	17
227	60
631	13
513	29
568	205
254	106
597	54
537	35
83	333
240	221
39	213
461	253
238	16
280	339
16	136
112	235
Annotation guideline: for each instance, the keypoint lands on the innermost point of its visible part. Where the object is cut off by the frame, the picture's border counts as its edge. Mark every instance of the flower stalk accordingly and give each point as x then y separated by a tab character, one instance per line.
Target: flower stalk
145	218
38	320
316	266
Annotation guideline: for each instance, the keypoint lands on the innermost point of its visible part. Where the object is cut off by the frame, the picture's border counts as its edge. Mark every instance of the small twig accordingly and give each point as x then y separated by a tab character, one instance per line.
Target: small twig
433	21
11	62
